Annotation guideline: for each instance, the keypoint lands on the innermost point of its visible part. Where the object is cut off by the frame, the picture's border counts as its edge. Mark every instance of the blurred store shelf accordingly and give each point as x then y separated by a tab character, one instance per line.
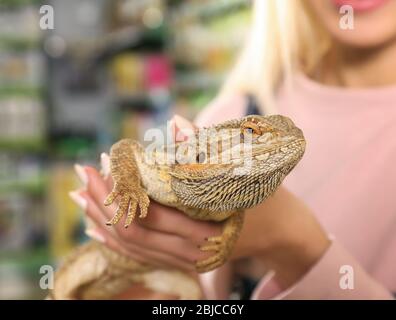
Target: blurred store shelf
109	69
192	11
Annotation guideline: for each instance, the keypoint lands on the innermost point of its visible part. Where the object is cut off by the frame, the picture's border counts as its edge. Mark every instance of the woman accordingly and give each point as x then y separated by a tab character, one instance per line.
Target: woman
330	231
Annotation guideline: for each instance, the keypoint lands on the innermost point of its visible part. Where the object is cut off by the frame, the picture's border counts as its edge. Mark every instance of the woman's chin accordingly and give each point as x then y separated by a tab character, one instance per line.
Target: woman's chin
365	36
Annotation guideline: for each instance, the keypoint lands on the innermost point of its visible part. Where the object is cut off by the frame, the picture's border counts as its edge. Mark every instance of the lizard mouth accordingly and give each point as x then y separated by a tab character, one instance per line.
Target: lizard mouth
281	147
263	152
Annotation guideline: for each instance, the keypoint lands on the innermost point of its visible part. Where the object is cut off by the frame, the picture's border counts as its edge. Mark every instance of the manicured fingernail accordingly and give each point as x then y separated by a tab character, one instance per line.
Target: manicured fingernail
105	163
181	122
82	174
78	199
89	223
181	128
96	235
173	129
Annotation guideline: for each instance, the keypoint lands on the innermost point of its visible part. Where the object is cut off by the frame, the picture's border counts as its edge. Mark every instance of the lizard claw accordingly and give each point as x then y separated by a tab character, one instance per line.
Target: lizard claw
110	198
129	201
221	245
143	201
222	251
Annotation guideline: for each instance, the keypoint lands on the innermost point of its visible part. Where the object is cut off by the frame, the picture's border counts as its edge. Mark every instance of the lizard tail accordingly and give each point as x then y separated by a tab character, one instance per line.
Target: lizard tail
95	272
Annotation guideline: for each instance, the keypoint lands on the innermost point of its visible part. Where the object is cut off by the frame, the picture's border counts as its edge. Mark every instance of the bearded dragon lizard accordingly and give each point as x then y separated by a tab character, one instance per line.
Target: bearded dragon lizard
240	163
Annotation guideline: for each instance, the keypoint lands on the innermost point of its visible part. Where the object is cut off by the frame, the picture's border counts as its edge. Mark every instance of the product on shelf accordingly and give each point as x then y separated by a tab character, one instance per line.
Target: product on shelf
22	121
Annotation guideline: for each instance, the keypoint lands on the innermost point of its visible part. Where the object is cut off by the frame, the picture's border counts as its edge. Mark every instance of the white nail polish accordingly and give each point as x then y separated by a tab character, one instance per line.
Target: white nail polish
171	127
105	163
183	128
95	235
89	223
81	173
78	199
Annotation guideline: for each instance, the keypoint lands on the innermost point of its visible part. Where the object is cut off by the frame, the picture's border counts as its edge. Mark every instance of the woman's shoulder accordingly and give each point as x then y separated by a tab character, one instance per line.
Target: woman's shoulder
221	109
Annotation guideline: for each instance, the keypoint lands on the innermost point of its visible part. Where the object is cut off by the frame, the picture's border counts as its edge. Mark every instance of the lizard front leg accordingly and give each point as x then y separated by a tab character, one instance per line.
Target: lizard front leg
127	183
222	245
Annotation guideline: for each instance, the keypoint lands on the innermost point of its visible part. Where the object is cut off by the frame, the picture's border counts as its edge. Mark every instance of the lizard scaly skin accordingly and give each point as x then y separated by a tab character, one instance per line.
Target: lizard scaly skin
215	175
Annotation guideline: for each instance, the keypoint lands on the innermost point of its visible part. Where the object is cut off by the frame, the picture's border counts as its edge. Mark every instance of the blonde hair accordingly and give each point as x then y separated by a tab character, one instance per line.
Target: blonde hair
285	37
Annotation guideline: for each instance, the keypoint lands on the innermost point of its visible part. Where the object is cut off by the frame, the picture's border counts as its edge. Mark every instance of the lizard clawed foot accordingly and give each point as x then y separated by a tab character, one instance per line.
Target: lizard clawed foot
130	198
221	246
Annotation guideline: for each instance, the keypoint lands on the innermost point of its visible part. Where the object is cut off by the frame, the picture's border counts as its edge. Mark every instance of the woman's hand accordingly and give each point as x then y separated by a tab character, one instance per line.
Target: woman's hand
166	237
283	235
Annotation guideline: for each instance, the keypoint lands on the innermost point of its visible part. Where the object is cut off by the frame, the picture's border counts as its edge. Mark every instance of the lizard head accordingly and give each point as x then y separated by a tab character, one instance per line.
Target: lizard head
264	140
239	162
274	140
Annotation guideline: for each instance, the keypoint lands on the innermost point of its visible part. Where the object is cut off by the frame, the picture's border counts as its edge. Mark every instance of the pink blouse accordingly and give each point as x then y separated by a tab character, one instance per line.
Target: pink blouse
348	177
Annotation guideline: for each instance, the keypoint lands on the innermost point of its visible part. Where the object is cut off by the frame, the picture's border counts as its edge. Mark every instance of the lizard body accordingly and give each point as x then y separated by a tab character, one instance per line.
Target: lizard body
215	175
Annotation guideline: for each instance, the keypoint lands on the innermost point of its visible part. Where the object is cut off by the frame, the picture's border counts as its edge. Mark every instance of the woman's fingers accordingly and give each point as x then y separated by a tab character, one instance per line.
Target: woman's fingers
108	236
138	253
115	245
159	218
165	219
94	212
166	235
105	170
145	255
112	243
99	189
152	240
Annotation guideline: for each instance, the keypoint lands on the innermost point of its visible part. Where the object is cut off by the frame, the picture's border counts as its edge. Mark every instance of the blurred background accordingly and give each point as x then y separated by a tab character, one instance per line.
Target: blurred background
109	69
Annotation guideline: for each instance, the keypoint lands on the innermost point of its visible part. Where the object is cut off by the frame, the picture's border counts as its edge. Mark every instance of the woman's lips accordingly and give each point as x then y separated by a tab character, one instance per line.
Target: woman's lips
361	5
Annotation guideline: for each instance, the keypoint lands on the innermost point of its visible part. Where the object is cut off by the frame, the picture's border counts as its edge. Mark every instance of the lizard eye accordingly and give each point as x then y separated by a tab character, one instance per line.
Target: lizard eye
251	128
201	157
